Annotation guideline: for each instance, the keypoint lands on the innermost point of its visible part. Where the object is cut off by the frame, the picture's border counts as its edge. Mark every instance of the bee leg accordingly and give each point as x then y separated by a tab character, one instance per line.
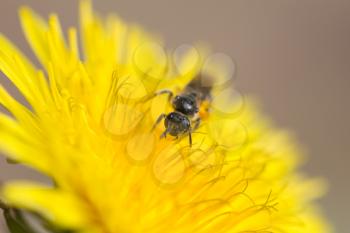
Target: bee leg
196	124
190	138
160	118
162	92
163	135
168	92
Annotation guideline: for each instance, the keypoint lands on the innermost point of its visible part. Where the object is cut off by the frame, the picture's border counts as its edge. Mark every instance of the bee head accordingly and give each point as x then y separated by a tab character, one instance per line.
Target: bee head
186	104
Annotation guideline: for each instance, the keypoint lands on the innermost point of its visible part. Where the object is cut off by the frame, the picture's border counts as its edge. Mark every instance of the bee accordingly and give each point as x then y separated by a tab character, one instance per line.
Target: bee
189	107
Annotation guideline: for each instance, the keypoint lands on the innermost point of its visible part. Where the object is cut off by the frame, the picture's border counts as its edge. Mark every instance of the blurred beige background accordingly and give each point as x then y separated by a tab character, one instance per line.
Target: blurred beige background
293	55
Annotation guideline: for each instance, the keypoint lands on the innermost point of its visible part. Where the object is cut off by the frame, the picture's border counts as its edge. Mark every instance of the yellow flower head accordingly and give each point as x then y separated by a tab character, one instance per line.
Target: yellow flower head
89	128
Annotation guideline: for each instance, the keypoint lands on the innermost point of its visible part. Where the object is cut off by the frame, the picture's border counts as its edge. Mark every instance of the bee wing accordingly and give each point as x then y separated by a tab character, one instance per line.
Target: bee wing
228	102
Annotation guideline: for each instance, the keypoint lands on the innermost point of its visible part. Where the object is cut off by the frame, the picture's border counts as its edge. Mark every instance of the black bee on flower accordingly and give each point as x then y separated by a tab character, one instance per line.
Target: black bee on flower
190	106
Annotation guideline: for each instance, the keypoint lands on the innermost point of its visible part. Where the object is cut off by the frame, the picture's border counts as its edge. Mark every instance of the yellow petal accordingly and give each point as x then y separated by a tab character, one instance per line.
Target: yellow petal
23	74
20	112
56	205
35	30
21	146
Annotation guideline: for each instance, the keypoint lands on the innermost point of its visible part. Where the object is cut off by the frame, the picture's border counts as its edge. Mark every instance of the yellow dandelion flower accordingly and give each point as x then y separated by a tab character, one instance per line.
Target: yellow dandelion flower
90	129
